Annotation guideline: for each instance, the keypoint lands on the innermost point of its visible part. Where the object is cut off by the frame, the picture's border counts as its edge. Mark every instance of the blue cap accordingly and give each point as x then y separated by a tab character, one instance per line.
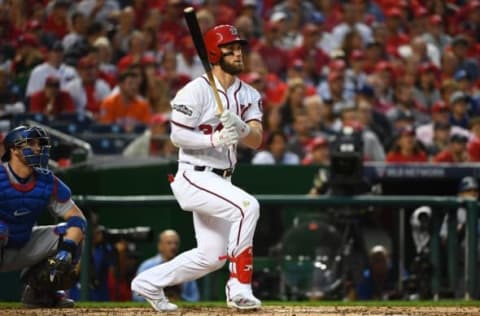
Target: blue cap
461	74
317	18
366	90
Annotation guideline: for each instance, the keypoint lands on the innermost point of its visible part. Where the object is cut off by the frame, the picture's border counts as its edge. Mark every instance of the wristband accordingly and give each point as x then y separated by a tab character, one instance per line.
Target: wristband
77	221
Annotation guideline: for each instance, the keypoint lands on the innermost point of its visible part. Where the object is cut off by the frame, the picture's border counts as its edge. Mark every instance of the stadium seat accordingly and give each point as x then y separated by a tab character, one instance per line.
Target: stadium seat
98	128
70	128
19	119
104	145
139	128
80	119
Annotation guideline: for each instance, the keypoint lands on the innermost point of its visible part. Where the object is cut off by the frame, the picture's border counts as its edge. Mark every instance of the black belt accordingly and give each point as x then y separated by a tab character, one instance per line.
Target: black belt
221	172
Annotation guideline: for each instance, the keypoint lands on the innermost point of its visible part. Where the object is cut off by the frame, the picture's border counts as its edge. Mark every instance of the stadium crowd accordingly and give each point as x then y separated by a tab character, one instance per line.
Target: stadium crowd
405	73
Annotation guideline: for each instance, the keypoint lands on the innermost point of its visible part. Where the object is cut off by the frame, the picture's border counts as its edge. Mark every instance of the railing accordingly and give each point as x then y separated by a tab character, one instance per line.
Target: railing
86	201
65	137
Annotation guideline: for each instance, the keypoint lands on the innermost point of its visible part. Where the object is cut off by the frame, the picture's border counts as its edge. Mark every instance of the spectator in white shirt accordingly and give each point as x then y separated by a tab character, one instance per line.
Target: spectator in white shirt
352	20
188	61
88	91
78	29
53	66
98	10
276	152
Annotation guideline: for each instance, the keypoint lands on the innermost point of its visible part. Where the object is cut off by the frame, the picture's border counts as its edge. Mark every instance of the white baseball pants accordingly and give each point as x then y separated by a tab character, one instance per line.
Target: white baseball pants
224	218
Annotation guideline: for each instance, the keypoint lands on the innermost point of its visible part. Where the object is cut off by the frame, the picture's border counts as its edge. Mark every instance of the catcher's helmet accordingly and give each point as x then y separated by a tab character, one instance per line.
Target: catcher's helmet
467	184
20	137
220	35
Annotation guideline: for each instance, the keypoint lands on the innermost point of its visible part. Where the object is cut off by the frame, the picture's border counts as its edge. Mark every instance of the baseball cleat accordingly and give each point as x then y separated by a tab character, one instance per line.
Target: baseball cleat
244	302
162	305
32	298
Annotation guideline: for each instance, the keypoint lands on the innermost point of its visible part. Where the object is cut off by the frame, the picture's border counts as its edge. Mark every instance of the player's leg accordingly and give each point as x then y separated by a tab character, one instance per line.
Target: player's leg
207	193
240	251
208	256
42	244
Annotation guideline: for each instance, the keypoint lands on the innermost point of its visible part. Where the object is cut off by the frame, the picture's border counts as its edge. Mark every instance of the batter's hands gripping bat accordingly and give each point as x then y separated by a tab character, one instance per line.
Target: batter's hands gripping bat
194	28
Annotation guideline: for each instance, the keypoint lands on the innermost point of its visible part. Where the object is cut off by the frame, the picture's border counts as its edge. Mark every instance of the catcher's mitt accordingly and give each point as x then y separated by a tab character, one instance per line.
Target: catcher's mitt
51	274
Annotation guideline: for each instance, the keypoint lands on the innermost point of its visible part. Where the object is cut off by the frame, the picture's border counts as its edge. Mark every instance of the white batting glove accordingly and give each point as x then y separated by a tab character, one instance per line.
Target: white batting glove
229	119
226	137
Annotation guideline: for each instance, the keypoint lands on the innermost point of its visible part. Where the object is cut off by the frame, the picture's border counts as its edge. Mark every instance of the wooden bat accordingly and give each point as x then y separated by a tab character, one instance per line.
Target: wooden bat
194	28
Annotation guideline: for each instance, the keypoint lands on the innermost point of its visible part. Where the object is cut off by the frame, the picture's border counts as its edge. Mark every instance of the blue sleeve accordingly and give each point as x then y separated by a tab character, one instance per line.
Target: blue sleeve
190	292
61	191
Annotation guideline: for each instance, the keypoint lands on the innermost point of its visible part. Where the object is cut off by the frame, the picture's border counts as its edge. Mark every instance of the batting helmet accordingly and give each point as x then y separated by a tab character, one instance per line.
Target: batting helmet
218	36
20	137
467	184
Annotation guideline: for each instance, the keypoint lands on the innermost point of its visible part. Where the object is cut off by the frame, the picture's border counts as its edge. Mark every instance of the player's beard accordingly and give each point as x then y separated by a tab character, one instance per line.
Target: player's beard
231	68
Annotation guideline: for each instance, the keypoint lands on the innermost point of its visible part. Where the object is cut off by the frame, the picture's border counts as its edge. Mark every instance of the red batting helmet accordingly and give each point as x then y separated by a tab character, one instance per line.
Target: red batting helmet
218	36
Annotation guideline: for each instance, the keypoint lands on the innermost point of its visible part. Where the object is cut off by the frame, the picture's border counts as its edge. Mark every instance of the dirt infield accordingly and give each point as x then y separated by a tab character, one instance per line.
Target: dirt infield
268	310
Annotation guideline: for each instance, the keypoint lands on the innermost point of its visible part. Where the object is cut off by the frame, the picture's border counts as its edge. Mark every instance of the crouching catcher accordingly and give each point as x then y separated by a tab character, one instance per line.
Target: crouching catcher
47	255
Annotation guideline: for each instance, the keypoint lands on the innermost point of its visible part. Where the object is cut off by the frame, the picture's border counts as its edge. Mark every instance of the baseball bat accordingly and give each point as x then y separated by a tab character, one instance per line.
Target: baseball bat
194	28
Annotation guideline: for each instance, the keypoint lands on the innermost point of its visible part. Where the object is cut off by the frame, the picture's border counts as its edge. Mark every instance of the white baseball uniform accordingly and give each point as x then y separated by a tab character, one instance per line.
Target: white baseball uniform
224	215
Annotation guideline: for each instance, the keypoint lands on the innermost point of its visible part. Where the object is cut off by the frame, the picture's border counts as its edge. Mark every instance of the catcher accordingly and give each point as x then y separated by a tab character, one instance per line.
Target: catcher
47	254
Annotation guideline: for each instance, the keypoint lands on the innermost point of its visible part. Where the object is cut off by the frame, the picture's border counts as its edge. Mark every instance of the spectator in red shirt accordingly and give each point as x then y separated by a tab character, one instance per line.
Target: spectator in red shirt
257	81
223	13
276	59
51	100
309	50
456	152
57	20
318	152
172	29
406	148
474	143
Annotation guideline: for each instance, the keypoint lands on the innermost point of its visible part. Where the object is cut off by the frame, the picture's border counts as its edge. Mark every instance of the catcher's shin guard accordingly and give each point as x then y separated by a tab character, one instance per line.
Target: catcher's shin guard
41	298
243	266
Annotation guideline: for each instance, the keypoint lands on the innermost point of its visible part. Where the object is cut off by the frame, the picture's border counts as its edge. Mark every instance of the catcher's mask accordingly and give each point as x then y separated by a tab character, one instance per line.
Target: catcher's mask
26	138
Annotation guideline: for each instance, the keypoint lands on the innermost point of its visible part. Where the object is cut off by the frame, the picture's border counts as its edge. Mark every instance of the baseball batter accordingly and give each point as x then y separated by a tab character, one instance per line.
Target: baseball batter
27	191
224	215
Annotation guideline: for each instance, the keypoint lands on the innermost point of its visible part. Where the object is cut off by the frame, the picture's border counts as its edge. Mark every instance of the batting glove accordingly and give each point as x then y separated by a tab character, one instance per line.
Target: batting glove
229	119
226	137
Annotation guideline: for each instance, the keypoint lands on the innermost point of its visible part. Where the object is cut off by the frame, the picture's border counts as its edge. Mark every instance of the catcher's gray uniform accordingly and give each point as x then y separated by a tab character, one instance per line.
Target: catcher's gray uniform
43	242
